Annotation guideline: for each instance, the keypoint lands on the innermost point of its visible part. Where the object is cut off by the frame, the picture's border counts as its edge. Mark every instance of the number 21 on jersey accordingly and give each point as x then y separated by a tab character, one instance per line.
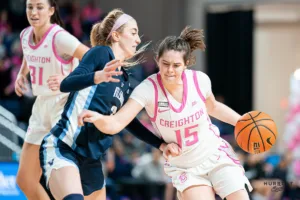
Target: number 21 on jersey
36	74
190	136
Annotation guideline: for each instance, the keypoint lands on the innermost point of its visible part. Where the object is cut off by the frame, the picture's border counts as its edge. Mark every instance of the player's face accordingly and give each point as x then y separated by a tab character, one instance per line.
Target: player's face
38	12
129	38
171	65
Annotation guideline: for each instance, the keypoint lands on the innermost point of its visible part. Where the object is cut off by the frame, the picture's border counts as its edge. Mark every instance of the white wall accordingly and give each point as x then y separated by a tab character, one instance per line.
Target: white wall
276	56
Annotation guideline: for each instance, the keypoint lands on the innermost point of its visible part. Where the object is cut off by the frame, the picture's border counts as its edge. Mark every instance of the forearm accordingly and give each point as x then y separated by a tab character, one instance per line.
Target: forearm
76	82
142	133
224	113
24	70
108	125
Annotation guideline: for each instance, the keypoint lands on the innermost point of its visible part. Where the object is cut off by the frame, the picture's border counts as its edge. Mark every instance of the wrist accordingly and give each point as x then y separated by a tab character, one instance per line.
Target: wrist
97	77
162	146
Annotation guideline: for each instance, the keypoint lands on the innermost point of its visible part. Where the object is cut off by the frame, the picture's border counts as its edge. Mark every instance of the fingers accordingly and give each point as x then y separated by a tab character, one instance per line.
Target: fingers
21	83
85	116
172	150
20	87
112	66
18	91
54	82
80	117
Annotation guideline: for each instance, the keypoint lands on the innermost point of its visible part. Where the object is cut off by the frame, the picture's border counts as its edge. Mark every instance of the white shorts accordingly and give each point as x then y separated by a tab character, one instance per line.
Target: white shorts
222	171
55	154
46	112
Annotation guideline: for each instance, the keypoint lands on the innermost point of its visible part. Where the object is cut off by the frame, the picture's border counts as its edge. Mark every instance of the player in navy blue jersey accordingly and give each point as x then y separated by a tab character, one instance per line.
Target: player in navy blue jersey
70	154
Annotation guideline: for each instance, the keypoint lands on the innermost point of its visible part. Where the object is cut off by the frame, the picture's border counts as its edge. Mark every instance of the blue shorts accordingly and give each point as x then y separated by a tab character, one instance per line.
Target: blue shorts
55	154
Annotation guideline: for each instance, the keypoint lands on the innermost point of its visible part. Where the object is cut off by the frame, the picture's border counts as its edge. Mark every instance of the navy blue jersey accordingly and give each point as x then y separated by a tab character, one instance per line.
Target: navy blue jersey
105	98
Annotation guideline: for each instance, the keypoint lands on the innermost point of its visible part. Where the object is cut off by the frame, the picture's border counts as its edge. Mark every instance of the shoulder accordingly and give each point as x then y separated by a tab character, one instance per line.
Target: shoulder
102	52
201	76
24	30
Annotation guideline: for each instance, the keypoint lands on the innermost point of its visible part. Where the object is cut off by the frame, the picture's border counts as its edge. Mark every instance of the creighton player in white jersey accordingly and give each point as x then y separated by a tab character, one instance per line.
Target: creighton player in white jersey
50	54
178	102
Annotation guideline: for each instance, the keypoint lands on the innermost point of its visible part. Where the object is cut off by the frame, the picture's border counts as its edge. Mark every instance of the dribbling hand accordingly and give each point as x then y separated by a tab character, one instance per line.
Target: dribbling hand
88	116
106	75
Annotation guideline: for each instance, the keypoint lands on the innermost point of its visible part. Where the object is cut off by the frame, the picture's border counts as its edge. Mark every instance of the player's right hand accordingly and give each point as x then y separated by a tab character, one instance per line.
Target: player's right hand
20	85
106	75
171	150
88	116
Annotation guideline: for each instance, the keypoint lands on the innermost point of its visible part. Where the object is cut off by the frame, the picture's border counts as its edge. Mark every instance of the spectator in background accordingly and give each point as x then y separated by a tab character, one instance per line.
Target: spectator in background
150	170
90	14
73	22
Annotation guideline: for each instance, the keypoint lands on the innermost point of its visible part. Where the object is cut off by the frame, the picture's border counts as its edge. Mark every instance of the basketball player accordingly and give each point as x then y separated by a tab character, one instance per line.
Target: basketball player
50	53
179	102
70	155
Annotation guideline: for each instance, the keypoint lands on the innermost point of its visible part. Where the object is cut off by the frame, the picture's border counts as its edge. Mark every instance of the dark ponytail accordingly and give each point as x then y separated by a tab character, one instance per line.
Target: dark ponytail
188	41
55	18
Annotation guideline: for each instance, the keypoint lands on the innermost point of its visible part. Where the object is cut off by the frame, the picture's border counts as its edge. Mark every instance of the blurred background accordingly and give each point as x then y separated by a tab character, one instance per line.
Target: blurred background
252	58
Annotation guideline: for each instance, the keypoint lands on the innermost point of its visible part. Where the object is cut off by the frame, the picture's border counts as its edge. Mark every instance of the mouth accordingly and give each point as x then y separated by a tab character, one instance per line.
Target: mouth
169	76
34	19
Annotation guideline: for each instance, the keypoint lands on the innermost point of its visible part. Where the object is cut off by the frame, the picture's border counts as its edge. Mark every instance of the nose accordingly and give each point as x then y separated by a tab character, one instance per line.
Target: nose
138	40
170	69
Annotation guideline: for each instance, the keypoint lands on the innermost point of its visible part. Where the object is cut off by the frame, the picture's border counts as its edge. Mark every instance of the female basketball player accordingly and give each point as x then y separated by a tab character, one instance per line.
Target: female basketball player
50	53
178	101
70	155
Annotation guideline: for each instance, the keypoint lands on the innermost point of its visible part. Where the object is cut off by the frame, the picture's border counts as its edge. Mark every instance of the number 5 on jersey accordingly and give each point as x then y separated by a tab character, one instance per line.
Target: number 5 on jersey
190	136
34	75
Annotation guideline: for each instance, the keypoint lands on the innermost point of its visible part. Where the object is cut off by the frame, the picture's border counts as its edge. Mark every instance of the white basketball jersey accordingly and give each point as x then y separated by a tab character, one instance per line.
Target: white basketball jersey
187	123
43	61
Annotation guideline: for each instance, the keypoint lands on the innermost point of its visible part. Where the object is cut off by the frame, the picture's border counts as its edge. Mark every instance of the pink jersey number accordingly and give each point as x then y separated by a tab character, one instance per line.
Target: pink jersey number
188	133
33	75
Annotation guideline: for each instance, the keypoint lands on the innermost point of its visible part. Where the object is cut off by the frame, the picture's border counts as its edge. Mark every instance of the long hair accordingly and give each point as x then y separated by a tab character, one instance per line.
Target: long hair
101	30
188	41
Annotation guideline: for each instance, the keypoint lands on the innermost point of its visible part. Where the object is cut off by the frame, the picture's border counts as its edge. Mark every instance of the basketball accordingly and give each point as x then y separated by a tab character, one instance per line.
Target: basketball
255	132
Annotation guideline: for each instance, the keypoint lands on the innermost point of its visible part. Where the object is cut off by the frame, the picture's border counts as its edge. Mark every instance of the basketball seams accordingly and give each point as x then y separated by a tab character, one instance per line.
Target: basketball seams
258	132
268	129
249	125
244	120
250	137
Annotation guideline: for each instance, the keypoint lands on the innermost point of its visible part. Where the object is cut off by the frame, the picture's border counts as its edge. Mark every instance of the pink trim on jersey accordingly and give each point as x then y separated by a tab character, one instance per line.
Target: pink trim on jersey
197	86
231	158
185	92
214	132
42	40
22	34
55	52
153	119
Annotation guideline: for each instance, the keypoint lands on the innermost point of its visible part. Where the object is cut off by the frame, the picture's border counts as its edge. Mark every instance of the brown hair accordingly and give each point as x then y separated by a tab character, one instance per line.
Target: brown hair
188	41
101	30
55	18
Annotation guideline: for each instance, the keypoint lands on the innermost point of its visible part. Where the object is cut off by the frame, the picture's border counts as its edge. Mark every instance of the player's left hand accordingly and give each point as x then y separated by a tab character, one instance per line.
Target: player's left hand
54	81
171	150
88	116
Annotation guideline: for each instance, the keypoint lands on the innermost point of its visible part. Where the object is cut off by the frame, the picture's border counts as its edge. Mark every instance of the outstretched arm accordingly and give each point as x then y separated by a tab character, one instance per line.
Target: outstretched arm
112	124
93	69
221	111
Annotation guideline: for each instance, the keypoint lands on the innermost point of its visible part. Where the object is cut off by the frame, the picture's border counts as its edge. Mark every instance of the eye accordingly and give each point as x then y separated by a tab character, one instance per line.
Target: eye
29	7
40	8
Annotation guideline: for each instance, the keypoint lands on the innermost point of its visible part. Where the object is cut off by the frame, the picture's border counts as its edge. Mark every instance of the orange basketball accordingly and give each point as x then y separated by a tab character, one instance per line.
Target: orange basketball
255	132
